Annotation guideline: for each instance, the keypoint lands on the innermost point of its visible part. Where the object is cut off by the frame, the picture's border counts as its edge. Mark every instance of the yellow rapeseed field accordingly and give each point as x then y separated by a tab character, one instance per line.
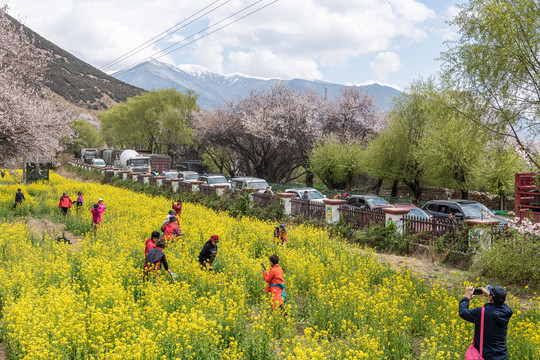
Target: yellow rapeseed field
58	302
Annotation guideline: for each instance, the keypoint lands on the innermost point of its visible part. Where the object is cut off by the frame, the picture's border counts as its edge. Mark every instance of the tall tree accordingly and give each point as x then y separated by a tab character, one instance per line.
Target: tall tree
271	133
497	60
394	155
29	126
85	135
337	162
159	121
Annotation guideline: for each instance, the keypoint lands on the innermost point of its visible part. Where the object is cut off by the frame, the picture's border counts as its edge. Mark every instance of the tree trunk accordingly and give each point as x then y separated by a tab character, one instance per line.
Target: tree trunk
465	194
416	189
309	179
395	184
378	186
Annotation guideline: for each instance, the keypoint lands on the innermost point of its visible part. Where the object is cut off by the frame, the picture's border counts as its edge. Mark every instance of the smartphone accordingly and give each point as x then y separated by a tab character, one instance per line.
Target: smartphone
264	268
478	292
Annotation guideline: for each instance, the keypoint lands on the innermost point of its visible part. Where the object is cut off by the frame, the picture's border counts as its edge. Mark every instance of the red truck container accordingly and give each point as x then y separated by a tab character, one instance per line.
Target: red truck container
527	196
160	162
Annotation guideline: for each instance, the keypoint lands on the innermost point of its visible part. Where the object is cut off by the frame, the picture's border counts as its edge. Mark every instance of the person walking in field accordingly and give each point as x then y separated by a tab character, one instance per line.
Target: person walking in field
102	206
209	252
65	203
496	318
280	235
275	286
19	198
97	211
151	243
155	259
80	200
170	230
177	207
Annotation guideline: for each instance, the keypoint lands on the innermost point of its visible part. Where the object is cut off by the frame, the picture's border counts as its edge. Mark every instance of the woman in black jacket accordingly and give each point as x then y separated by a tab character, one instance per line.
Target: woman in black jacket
209	252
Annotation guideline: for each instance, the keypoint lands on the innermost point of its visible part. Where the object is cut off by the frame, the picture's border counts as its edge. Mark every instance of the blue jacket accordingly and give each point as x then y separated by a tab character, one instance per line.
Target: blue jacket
496	320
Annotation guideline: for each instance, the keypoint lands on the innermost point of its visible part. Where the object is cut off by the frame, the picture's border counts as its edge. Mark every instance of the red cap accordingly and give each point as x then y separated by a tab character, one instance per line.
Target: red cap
214	238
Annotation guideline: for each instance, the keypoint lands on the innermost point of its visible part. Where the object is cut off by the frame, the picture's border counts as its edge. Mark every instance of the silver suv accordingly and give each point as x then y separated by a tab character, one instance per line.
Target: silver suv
244	182
214	180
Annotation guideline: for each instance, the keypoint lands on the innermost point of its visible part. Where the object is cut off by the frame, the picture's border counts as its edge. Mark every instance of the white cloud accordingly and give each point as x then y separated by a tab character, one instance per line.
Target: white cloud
385	63
283	38
265	63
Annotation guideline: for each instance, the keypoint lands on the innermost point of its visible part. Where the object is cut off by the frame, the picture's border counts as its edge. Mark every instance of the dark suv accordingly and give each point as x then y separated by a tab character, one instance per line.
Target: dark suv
460	209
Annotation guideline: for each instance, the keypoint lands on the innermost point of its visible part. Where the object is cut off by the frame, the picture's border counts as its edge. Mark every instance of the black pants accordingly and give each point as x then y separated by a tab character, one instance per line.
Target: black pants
65	210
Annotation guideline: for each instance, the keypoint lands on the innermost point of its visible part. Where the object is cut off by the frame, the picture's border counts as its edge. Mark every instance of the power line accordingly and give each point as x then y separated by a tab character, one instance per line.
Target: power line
139	63
162	35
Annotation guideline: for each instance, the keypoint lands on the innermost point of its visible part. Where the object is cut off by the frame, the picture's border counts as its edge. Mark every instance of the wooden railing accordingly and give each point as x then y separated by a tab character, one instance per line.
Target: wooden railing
184	187
266	199
308	209
207	190
360	219
429	231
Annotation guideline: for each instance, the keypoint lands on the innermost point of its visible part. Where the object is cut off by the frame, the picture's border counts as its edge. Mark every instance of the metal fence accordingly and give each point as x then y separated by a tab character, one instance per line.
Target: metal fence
308	209
360	219
266	199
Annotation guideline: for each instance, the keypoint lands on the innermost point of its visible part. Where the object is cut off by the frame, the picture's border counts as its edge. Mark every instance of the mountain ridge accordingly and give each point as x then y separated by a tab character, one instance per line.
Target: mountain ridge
214	89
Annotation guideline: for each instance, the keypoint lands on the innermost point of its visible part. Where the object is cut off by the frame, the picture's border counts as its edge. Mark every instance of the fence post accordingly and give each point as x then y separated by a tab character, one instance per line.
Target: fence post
125	174
332	210
174	184
146	178
195	185
479	233
159	180
394	216
220	189
286	199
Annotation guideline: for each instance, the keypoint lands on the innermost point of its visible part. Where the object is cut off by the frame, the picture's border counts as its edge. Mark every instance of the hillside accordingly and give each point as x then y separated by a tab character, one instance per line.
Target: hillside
78	82
214	89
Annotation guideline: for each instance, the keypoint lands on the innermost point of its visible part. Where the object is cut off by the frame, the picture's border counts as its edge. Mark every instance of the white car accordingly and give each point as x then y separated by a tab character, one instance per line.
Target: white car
214	180
98	162
245	182
313	195
188	176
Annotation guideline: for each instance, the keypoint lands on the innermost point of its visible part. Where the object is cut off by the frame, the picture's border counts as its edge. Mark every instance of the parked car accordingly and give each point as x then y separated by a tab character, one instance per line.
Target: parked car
245	182
169	174
214	180
313	194
98	162
460	209
367	202
188	176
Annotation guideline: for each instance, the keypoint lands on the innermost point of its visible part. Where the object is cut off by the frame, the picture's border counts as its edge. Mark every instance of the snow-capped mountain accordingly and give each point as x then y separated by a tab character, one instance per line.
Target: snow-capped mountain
214	89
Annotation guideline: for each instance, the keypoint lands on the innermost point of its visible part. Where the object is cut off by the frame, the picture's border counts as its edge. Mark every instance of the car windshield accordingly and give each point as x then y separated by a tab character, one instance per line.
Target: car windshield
315	194
171	175
191	176
257	184
376	201
419	213
474	211
99	162
139	162
217	180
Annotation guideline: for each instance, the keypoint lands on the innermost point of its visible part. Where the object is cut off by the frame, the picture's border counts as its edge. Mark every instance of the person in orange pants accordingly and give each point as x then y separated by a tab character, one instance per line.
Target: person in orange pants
275	286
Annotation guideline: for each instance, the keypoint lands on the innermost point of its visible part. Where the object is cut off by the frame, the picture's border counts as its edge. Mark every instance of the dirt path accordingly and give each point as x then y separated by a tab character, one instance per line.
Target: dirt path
3	351
38	226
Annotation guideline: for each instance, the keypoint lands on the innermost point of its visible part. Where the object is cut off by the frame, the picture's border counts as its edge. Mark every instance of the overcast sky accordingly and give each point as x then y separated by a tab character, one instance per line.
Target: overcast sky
341	41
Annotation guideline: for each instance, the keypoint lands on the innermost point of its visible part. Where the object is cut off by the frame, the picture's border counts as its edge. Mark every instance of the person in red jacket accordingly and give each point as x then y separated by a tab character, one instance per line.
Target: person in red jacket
170	230
155	258
65	203
151	243
275	286
177	207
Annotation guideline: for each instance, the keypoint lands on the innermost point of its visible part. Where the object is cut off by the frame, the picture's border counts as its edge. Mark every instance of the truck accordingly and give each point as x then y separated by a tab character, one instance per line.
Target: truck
112	157
130	160
160	162
88	154
190	165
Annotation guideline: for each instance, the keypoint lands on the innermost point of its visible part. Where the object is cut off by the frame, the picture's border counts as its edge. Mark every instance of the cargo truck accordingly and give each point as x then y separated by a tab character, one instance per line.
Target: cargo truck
88	154
130	160
160	162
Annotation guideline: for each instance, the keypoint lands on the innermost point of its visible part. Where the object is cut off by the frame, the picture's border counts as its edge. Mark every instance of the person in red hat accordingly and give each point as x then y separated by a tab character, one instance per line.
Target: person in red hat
209	252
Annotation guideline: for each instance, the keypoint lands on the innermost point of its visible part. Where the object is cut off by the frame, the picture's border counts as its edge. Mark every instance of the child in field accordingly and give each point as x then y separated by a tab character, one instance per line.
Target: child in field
151	243
97	211
280	235
170	230
19	198
177	207
80	200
